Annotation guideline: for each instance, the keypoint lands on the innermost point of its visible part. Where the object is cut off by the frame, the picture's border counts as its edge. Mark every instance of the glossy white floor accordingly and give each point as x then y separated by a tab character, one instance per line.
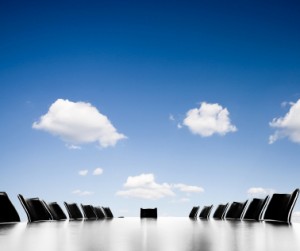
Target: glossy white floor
163	234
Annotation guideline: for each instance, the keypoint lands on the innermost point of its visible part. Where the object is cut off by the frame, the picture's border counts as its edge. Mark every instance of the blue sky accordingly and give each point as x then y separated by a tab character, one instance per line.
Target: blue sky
121	78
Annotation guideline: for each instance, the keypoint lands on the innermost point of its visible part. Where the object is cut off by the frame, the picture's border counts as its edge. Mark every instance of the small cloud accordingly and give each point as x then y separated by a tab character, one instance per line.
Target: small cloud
259	191
288	125
98	171
82	193
78	123
83	172
189	189
144	186
73	147
209	119
179	126
171	117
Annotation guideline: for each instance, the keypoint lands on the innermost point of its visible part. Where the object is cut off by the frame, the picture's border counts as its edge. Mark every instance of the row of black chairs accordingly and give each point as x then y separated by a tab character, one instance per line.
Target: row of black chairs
278	207
39	210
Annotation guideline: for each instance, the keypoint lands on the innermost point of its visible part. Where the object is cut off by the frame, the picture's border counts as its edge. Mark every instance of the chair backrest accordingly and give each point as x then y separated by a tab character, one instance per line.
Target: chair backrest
8	213
205	212
73	211
194	212
220	211
99	212
107	212
236	210
148	213
56	212
256	209
281	206
89	212
35	209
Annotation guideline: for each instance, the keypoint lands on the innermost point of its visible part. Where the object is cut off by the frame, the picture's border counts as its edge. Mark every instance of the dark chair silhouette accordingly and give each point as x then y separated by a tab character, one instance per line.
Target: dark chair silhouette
148	213
281	206
205	212
194	212
107	212
73	211
55	210
220	211
8	213
236	210
256	209
99	213
35	209
89	212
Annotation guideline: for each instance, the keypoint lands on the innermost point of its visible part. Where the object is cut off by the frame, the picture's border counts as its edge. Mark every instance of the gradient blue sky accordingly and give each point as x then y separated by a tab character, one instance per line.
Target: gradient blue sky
144	65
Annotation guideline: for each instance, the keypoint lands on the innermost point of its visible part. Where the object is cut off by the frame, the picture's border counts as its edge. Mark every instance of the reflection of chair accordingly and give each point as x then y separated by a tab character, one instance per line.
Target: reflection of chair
220	212
35	209
73	211
194	212
107	212
205	212
8	213
256	209
99	212
281	206
148	213
236	210
88	211
55	210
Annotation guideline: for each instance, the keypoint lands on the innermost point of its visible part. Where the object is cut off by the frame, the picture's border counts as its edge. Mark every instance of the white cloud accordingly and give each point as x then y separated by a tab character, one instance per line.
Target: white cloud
287	126
189	189
171	117
98	171
73	147
209	119
147	193
83	172
144	186
259	191
140	180
78	123
179	126
82	193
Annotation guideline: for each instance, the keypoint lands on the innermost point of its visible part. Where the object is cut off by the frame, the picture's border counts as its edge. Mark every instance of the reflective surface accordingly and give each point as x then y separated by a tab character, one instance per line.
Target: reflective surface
162	234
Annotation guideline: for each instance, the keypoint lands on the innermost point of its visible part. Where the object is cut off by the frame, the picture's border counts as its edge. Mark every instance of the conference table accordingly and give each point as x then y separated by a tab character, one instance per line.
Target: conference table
161	234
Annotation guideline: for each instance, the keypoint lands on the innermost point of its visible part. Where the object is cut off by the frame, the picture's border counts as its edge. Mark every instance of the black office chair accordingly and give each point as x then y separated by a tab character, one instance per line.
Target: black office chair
255	209
220	211
280	207
8	213
236	210
148	213
194	212
107	212
73	211
99	213
89	212
35	209
56	211
205	212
